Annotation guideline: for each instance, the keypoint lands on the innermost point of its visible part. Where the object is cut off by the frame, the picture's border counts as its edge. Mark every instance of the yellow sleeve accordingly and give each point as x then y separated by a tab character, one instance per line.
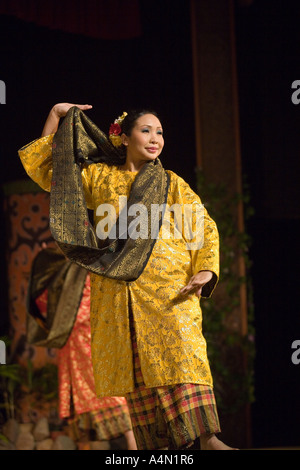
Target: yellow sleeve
201	235
36	158
207	258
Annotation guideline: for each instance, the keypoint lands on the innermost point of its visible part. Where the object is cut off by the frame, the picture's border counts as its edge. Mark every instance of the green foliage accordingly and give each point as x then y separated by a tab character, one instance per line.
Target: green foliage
231	355
10	378
43	382
17	381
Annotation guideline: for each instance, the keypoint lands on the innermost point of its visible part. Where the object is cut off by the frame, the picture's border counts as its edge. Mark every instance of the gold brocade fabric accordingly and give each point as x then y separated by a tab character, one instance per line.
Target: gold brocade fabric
168	326
121	257
75	373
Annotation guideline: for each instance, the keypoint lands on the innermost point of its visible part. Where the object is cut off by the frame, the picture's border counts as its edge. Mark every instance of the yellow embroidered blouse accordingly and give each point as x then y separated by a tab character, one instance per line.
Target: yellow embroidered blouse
168	326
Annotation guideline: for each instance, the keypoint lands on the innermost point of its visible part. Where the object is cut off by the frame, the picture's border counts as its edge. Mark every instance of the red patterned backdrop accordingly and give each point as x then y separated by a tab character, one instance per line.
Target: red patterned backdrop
26	209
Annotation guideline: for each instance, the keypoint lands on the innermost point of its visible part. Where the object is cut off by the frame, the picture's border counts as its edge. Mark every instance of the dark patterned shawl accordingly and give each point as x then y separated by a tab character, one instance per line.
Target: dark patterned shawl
78	141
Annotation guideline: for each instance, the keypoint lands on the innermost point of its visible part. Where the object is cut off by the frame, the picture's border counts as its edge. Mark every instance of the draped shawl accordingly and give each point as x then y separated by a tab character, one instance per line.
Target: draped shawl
64	282
78	142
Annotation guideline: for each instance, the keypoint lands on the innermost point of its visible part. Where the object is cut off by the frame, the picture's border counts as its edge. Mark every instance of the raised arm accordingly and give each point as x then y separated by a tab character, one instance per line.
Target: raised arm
36	156
58	111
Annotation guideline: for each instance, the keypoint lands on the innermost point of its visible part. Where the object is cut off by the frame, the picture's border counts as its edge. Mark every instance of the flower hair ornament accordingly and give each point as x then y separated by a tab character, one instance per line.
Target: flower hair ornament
115	131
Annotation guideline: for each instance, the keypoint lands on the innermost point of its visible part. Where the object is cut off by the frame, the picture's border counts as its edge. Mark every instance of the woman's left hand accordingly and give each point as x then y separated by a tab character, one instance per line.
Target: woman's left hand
196	283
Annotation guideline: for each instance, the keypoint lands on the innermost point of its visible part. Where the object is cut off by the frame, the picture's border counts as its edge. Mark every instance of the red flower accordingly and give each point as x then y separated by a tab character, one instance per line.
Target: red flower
115	129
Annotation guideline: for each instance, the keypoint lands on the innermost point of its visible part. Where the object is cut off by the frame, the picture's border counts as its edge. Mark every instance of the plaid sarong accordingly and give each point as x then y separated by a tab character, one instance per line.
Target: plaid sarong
108	423
170	416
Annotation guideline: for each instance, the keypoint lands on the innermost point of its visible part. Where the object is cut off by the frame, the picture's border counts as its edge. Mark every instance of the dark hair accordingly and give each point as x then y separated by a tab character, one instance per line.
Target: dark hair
131	118
119	154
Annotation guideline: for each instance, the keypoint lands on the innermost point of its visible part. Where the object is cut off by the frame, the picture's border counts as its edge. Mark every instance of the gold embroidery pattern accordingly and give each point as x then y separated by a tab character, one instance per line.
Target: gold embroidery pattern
171	345
122	259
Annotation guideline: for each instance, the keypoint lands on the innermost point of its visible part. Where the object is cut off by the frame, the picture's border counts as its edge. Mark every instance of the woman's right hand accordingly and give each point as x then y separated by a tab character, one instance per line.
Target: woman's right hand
61	109
58	111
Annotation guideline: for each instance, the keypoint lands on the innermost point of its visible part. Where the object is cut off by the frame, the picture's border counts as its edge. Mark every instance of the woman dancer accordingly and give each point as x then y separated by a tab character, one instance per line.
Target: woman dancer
146	320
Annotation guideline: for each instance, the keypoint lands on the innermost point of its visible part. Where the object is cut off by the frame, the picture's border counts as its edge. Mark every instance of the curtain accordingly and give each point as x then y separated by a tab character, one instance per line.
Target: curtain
105	19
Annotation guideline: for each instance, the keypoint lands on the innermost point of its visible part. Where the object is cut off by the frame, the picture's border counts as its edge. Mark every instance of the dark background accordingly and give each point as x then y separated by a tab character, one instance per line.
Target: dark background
42	67
268	46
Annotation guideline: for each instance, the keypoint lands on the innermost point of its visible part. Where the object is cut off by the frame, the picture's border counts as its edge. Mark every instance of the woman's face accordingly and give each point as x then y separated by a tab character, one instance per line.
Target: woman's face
146	140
